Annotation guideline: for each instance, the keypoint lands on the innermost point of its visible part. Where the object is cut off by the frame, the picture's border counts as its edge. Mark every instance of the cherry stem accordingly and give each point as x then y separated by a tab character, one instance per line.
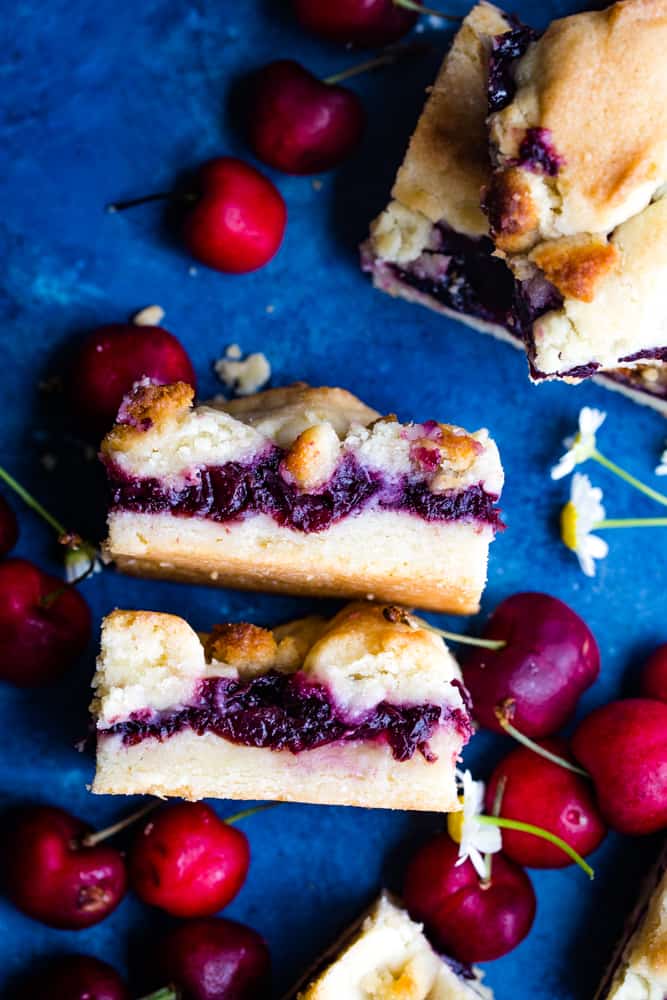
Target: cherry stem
400	616
537	831
120	206
31	502
246	813
387	58
92	839
622	474
495	811
501	713
417	7
165	993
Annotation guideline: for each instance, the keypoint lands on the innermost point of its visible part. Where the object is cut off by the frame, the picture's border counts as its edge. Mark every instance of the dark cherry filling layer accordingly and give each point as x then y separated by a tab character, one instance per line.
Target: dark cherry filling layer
288	712
538	153
505	50
234	490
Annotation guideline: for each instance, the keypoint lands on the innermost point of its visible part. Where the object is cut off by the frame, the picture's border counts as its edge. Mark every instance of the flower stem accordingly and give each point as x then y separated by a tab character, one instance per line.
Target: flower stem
622	474
502	715
632	522
91	839
400	616
29	499
537	831
417	7
246	813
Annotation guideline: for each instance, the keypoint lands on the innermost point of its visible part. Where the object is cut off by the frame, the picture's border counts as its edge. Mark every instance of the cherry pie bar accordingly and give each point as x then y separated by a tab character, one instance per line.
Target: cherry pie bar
302	490
433	245
639	968
385	956
366	709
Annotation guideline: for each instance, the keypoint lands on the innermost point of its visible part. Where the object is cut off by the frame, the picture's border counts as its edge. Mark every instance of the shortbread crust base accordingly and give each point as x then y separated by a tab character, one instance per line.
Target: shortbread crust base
357	773
383	556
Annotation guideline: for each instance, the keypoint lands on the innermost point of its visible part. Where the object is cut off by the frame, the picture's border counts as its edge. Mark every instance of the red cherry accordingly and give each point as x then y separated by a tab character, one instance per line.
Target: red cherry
216	959
78	977
44	624
300	124
549	796
371	23
111	359
551	657
187	861
623	746
464	918
237	223
9	528
52	878
653	682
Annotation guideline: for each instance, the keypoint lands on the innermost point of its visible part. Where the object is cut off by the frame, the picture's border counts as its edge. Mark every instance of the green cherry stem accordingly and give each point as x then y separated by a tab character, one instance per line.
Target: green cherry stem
166	993
495	811
387	58
31	502
537	831
246	813
632	522
399	616
502	713
417	7
91	839
622	474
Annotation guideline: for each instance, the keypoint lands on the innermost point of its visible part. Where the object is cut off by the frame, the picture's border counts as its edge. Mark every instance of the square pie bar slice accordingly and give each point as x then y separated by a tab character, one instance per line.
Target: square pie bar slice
578	137
385	956
366	709
302	490
430	245
639	968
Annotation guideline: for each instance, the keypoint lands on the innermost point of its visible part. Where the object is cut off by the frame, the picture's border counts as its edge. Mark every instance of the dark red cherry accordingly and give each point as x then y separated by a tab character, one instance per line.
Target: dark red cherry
300	124
464	918
216	959
44	624
108	363
9	528
188	861
548	796
52	878
653	682
370	23
77	977
238	221
551	657
623	746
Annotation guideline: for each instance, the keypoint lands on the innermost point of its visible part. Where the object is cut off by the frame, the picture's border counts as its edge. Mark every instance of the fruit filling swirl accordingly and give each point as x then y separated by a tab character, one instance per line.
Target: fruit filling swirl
288	712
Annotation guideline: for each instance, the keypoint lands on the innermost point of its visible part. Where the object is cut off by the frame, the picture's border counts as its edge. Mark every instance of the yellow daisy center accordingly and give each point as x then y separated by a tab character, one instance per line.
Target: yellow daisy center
568	525
455	824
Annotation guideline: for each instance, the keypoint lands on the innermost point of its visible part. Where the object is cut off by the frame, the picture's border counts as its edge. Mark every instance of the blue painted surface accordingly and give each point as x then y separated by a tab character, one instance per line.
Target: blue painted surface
105	100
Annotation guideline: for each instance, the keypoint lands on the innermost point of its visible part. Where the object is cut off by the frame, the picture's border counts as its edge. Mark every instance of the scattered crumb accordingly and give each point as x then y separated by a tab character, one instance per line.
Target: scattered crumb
214	575
234	352
244	377
49	461
317	184
150	316
270	308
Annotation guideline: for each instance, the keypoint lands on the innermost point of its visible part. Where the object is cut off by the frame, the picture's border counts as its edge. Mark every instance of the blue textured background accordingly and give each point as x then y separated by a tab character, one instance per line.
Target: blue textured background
106	100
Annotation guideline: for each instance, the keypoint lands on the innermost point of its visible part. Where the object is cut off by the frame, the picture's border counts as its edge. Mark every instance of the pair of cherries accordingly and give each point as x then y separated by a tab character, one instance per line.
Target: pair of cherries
234	217
184	860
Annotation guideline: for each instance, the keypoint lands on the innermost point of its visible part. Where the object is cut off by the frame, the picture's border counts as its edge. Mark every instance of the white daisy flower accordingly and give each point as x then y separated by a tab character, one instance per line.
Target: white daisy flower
474	839
580	515
661	470
582	446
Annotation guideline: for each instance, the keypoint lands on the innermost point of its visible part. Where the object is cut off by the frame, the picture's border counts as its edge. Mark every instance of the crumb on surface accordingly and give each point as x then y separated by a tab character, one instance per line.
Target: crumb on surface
244	377
234	352
150	316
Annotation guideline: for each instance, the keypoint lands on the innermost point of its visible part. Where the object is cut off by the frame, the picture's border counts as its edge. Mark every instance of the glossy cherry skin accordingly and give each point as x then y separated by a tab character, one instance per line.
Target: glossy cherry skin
549	796
77	977
462	918
44	624
53	879
216	959
238	220
187	861
623	746
368	23
551	657
653	682
108	363
9	528
300	124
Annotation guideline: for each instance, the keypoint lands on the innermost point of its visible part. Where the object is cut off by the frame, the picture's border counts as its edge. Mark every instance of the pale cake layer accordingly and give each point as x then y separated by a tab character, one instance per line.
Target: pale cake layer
351	774
381	555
